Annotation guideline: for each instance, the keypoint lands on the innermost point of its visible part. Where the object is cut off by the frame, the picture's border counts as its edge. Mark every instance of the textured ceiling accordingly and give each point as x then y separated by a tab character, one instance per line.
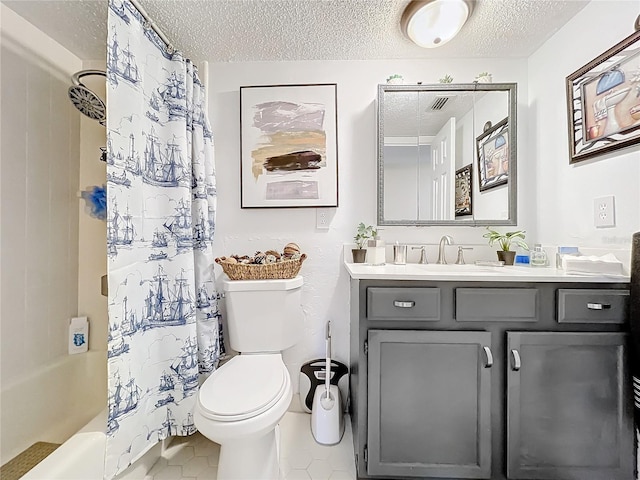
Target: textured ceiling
272	30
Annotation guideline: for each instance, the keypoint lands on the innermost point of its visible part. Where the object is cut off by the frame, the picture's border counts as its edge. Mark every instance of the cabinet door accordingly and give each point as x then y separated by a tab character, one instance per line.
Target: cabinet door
429	404
569	407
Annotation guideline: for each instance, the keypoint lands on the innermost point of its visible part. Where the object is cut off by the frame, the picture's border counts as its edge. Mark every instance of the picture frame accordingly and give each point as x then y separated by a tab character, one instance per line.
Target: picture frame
493	151
288	146
603	102
464	191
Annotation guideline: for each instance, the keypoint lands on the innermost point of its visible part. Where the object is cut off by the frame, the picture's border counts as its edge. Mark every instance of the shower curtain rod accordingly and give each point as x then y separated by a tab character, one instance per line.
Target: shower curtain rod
170	46
152	24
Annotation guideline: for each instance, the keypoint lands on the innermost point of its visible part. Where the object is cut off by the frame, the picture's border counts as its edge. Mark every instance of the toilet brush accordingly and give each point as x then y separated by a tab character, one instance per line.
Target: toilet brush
327	400
327	423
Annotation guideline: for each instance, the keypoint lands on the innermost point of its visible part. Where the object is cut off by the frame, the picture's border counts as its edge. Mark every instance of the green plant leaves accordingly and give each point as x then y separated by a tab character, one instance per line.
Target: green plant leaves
364	232
506	239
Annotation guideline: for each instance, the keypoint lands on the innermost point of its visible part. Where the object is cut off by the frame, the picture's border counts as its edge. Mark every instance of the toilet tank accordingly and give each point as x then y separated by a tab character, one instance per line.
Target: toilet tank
263	315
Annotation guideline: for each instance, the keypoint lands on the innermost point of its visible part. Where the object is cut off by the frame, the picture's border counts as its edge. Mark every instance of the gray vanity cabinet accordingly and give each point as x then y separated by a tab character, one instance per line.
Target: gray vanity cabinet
499	381
429	403
568	406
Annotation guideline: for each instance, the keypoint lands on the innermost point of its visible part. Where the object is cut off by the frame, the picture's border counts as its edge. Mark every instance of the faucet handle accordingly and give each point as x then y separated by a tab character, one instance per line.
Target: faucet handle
460	259
423	254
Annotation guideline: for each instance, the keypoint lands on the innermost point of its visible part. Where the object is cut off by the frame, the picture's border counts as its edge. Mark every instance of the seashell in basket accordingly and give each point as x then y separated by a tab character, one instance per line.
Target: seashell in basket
274	253
229	259
259	258
269	259
290	249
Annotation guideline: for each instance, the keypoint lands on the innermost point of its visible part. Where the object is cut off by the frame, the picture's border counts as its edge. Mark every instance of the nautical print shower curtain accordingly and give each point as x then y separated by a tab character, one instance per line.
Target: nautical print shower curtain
164	327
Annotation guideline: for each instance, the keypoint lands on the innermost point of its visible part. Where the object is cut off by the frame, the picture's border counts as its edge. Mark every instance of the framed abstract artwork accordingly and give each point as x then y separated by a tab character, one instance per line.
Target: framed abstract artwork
603	102
288	146
464	192
493	156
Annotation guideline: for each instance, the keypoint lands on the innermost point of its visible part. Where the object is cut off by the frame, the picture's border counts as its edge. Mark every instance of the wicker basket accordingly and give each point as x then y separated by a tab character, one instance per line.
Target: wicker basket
240	271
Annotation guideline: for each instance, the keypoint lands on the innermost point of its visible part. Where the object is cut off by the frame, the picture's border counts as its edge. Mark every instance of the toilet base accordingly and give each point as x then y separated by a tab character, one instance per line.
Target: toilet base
249	459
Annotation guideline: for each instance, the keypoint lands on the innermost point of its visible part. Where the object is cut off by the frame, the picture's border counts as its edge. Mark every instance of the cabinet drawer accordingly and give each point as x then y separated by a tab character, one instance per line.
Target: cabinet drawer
496	304
389	303
592	306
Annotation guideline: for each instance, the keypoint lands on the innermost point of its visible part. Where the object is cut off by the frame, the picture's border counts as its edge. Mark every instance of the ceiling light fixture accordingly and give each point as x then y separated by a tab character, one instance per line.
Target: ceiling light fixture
432	23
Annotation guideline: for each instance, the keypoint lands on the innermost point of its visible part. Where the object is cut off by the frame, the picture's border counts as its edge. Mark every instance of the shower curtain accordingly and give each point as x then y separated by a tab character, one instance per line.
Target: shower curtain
164	324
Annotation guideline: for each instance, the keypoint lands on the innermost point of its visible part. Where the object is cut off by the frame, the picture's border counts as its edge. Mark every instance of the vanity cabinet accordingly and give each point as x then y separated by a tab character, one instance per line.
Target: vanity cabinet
427	392
507	380
567	406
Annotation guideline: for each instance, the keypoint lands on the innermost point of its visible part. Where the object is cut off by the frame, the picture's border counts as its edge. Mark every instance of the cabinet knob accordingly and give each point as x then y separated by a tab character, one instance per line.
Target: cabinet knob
516	363
400	304
487	352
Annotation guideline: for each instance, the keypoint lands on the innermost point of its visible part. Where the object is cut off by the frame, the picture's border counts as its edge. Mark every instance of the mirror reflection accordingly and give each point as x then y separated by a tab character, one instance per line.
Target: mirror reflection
447	154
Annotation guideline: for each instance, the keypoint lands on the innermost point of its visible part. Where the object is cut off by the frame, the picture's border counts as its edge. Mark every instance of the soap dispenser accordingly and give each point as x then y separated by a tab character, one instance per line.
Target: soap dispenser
376	251
538	256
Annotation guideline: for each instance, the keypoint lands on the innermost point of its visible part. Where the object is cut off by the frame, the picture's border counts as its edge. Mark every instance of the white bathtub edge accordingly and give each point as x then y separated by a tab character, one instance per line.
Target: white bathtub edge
82	457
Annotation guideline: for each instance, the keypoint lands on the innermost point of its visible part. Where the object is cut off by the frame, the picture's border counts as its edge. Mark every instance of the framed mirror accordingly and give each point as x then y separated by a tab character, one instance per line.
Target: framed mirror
447	154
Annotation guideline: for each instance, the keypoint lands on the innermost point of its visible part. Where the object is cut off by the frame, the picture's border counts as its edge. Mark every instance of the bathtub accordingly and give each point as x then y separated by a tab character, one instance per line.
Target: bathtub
82	457
52	402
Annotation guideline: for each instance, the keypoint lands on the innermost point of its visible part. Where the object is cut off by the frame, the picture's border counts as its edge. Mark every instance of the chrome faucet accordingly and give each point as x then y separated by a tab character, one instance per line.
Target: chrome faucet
460	259
446	239
423	254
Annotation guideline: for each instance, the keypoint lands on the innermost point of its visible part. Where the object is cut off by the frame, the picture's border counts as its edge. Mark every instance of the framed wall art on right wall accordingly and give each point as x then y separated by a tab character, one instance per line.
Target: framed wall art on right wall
603	102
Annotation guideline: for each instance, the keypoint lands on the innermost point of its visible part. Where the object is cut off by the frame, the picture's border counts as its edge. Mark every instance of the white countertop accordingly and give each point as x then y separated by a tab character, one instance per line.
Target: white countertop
473	273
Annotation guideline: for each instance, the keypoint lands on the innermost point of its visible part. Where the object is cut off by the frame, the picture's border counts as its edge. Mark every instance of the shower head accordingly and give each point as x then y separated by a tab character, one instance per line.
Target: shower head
84	99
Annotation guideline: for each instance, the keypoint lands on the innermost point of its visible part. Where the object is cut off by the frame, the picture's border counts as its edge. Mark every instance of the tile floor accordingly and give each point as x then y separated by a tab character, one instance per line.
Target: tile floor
196	458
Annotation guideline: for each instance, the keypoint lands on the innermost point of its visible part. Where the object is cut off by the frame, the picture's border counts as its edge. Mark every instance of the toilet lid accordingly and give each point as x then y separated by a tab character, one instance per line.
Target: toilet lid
244	387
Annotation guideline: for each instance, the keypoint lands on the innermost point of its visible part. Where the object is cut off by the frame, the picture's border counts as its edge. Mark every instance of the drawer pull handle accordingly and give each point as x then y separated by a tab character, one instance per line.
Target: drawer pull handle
516	364
399	304
487	352
598	306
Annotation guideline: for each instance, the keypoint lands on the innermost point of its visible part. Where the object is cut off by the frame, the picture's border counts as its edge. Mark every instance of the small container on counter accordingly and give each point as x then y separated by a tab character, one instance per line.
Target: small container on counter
562	251
522	257
399	254
376	252
538	257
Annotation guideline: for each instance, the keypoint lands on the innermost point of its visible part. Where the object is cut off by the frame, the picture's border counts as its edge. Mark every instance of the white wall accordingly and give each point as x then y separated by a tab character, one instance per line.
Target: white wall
565	193
326	291
92	244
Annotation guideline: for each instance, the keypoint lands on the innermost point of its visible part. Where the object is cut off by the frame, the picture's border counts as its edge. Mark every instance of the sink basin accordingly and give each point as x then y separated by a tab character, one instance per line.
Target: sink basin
453	268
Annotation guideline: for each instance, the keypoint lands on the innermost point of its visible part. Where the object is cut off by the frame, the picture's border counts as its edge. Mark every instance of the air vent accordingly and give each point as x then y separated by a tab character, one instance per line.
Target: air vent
439	103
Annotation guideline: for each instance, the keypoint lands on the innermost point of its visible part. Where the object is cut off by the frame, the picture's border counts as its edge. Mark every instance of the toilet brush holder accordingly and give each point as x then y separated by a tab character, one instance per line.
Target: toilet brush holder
327	419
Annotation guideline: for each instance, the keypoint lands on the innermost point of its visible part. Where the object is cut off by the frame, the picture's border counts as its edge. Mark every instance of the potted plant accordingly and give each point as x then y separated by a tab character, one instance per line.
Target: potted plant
505	240
395	79
484	77
364	233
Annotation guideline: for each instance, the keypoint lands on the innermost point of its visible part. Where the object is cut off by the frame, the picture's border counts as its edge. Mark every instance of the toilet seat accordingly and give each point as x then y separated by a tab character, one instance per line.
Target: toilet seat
244	387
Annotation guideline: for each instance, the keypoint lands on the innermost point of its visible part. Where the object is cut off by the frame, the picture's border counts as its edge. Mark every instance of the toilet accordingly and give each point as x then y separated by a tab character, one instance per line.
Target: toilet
242	402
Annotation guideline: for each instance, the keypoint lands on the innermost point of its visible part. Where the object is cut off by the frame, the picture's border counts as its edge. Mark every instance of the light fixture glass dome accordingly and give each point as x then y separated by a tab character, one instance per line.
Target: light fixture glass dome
432	23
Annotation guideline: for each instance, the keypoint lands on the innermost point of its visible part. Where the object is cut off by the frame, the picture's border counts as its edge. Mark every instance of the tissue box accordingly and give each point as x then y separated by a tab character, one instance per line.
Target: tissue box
604	265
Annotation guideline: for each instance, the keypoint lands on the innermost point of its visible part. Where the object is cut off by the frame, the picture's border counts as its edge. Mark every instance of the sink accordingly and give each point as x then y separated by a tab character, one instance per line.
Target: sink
452	268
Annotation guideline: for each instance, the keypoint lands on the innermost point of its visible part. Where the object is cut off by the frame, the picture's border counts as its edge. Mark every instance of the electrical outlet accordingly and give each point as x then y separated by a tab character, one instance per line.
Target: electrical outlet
323	218
604	212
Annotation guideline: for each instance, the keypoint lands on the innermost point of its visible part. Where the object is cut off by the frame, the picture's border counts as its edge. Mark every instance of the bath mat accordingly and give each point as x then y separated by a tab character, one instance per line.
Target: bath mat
22	463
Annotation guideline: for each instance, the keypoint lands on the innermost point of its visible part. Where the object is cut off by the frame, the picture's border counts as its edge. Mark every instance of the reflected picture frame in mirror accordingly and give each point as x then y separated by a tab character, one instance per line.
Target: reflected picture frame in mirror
391	211
492	147
464	191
